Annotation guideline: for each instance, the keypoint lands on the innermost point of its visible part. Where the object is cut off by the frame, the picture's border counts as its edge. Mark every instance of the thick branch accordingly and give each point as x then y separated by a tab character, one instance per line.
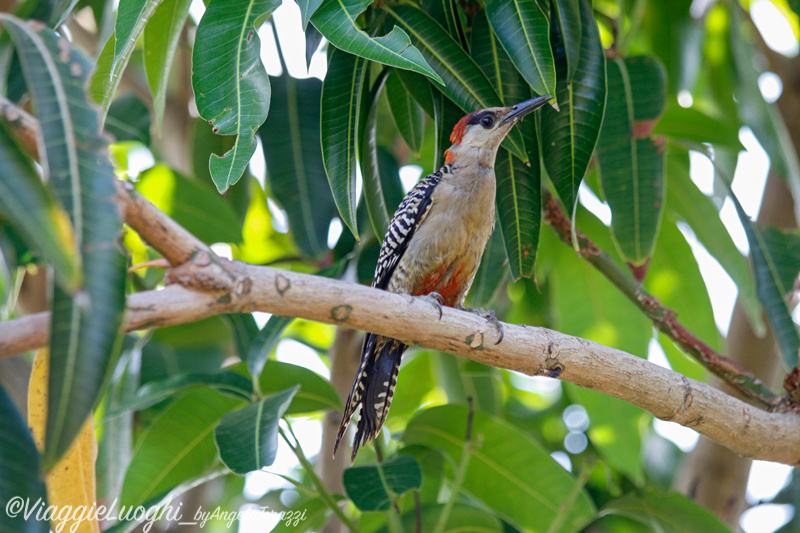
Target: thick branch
663	318
203	285
530	350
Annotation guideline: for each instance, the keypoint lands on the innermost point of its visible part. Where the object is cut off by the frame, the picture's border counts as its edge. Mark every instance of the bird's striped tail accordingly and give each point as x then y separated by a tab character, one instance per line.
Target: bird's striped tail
373	389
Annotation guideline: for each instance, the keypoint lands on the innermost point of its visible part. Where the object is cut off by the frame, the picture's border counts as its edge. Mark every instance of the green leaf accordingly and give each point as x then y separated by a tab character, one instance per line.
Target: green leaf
305	515
491	272
341	107
370	167
523	30
586	304
315	394
247	438
132	18
20	479
85	327
570	19
264	343
495	63
445	10
230	83
465	84
153	392
129	120
775	255
503	457
307	10
690	124
519	204
687	202
631	163
614	430
161	38
407	114
419	88
675	278
336	20
372	487
25	203
177	447
463	517
666	513
291	141
313	39
191	204
572	132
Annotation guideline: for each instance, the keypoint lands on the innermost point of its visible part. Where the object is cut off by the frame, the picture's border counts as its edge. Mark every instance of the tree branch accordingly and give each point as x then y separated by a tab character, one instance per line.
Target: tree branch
663	318
201	284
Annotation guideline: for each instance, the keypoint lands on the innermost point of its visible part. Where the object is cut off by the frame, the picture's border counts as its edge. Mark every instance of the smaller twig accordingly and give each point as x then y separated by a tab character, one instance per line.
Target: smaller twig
417	512
661	316
309	469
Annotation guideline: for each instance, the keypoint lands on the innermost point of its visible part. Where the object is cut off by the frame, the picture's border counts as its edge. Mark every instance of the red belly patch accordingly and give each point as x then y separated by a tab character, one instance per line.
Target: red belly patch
448	281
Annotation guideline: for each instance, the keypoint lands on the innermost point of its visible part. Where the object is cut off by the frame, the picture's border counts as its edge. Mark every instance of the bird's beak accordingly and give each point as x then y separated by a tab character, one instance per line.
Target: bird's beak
520	110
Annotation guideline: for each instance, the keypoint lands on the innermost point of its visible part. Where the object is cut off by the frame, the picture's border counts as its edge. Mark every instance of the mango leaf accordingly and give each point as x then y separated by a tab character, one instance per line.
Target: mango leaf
336	20
153	392
291	141
569	18
518	185
523	30
341	109
491	272
691	124
463	517
465	84
177	447
264	343
407	114
446	10
419	88
776	261
161	38
675	277
191	204
614	430
572	132
307	10
631	162
247	438
370	168
313	38
504	457
315	394
85	327
25	203
19	470
668	513
372	487
687	202
132	18
495	63
230	83
128	119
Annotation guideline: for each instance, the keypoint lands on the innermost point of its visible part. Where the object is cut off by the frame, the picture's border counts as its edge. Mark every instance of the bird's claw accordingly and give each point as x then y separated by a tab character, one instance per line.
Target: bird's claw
436	300
488	314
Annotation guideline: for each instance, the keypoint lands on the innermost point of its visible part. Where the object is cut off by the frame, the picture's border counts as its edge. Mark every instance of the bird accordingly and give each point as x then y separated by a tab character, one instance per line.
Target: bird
432	249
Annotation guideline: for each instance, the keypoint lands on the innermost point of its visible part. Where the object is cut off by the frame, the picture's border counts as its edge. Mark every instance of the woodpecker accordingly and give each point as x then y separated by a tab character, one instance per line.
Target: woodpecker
432	249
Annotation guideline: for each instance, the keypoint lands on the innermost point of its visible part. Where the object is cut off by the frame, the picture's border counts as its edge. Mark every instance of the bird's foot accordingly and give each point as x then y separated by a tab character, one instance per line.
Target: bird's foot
488	314
435	299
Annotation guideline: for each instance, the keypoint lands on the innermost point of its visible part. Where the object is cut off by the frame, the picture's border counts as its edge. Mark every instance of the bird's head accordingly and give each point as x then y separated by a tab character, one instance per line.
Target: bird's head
479	134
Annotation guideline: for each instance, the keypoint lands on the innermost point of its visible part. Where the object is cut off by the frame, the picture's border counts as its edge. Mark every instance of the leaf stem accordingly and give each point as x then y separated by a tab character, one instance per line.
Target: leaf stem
324	495
461	472
565	508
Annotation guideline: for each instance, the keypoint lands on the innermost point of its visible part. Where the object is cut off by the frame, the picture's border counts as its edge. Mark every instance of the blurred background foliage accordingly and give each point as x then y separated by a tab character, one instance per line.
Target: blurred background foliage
669	112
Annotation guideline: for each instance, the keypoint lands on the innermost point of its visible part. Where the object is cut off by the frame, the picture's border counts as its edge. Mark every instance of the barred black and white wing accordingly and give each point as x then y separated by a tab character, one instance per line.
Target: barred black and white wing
380	356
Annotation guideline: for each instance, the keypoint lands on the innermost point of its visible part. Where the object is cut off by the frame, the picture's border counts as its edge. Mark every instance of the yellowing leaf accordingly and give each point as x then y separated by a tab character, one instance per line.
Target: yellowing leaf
71	482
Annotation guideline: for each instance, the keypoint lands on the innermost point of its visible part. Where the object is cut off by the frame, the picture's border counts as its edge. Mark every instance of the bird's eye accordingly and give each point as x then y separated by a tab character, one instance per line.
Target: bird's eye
487	121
